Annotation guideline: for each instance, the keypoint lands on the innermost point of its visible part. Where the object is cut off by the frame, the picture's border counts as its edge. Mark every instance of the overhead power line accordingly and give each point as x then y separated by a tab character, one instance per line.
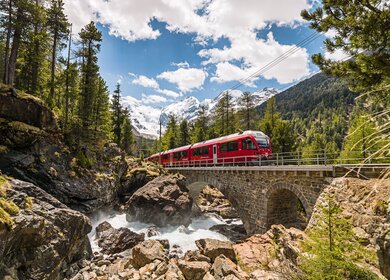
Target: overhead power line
313	36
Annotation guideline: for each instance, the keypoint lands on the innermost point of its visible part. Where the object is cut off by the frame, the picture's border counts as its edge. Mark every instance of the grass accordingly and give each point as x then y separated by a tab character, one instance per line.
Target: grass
7	207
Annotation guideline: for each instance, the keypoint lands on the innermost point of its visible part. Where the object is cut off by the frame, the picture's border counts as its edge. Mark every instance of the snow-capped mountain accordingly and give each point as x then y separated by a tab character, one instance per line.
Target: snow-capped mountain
145	118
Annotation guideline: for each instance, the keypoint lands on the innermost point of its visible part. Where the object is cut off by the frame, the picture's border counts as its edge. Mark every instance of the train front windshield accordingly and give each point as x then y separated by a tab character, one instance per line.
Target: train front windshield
262	142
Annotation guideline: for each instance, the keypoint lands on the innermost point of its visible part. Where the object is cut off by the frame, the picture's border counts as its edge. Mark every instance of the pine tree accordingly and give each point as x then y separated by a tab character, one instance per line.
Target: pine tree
283	139
362	31
117	114
361	140
183	133
224	115
58	28
331	246
270	119
246	113
127	137
170	138
90	39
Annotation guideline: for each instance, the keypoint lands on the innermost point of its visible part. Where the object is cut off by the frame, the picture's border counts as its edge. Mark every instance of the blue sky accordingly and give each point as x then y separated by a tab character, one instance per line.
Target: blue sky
163	51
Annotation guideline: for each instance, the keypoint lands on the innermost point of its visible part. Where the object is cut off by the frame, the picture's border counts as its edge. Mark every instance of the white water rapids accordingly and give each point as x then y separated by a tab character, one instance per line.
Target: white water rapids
177	235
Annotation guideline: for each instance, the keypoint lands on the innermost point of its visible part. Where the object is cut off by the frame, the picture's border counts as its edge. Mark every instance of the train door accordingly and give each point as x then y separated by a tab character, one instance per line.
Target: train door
215	155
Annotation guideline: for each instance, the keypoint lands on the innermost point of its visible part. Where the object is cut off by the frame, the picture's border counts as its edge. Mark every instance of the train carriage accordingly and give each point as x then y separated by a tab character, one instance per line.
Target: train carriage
238	148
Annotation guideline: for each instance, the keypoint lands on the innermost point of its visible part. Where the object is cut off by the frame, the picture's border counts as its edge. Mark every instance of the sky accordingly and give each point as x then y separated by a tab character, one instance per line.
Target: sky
162	51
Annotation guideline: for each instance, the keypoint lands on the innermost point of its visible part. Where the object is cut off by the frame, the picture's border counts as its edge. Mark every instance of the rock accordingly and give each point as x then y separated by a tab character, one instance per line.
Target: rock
367	204
46	238
211	200
176	251
163	201
208	276
212	248
195	255
223	268
146	252
152	231
258	251
194	270
27	109
173	271
233	232
138	174
265	275
113	240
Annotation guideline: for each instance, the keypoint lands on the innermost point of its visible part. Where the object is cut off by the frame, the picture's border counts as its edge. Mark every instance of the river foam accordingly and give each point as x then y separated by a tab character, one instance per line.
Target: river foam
182	236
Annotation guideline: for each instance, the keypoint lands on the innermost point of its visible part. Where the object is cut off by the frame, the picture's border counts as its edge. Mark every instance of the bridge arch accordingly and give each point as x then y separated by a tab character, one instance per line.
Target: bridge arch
285	204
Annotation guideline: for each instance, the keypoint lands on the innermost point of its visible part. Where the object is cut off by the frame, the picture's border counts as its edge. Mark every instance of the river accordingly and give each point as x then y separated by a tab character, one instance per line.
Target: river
177	235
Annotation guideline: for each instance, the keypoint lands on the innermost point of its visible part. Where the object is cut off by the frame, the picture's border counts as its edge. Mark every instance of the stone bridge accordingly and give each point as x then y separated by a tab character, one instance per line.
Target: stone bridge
266	195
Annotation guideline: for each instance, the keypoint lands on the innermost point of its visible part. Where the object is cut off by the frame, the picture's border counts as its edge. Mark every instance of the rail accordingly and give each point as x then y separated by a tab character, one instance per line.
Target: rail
292	158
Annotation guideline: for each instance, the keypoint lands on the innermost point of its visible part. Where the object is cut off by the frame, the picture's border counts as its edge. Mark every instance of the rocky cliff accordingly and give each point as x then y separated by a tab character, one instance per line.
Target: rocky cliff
40	238
32	149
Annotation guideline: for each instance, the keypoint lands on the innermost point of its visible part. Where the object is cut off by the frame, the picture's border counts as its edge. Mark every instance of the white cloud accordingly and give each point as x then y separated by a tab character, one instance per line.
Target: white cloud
237	21
169	93
337	55
145	81
256	54
186	79
152	98
183	64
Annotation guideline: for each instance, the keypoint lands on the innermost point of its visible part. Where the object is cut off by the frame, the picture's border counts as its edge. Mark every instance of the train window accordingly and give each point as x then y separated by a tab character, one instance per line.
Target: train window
229	146
262	142
223	147
201	151
184	154
177	155
247	144
165	157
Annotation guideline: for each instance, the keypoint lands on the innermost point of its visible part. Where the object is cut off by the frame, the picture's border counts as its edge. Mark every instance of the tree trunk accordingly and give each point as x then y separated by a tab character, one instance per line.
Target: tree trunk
15	49
53	68
67	83
7	42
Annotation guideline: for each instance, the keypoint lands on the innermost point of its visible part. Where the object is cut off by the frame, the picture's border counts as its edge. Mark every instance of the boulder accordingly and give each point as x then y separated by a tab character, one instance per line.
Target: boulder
259	250
194	270
233	232
195	255
265	275
44	238
211	200
212	248
146	252
112	240
163	201
27	109
223	268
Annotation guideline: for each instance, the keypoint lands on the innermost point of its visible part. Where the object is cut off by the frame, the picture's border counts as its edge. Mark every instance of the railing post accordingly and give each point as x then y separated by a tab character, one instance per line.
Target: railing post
260	160
318	160
299	160
282	160
325	156
341	158
277	159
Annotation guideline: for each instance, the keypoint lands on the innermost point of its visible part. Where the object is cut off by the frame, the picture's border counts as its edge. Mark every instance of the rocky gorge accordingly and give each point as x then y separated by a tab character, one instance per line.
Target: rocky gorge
47	193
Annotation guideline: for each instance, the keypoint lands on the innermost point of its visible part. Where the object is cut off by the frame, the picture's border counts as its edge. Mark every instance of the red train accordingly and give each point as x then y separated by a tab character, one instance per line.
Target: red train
239	148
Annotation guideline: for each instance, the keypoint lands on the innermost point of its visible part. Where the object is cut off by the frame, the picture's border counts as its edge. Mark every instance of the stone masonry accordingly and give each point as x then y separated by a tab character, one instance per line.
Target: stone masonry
263	197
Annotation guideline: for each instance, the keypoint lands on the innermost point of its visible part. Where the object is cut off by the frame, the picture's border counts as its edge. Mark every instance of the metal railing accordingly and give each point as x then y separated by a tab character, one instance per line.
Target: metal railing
320	157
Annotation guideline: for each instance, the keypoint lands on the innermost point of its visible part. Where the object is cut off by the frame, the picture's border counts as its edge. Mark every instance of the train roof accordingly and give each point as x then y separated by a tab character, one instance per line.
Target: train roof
254	133
178	149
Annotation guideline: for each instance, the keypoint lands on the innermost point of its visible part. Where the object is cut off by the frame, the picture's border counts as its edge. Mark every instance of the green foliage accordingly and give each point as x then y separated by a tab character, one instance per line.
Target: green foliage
331	248
170	138
7	207
361	30
184	138
127	137
280	131
83	160
224	119
246	115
